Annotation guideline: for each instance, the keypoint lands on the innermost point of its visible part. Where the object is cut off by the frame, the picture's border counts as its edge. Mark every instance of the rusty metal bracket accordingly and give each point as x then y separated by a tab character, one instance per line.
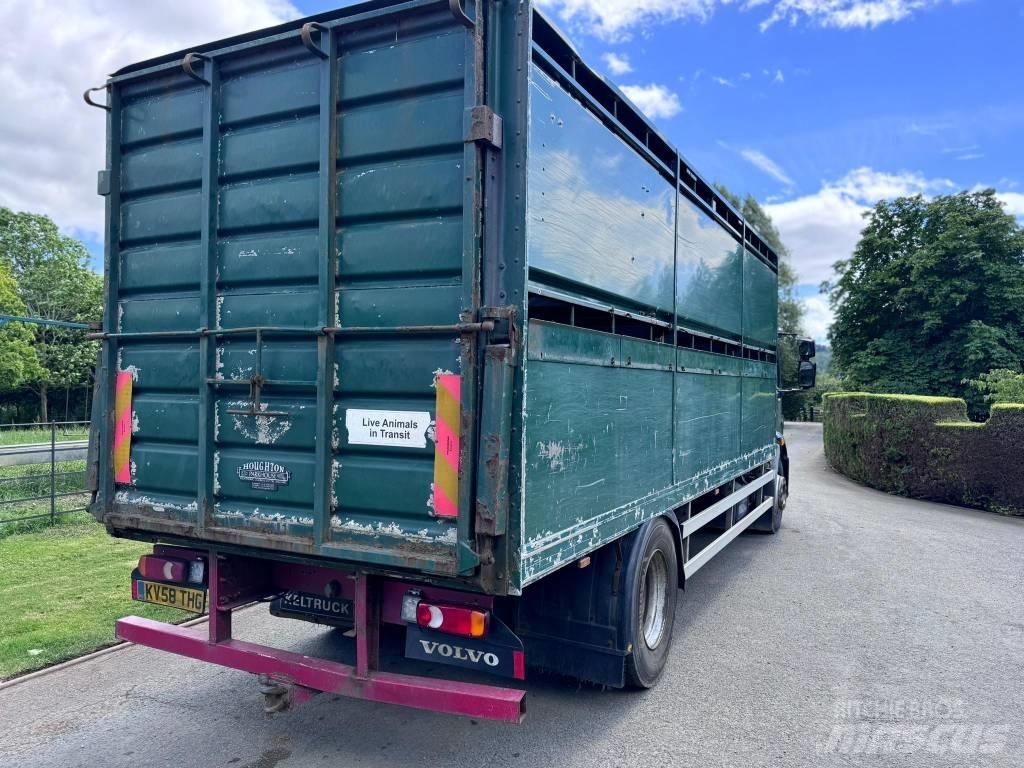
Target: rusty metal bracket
455	6
187	62
256	384
307	38
485	125
90	102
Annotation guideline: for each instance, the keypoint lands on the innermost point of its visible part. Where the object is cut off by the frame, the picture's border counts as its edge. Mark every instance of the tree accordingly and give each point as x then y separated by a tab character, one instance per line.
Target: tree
18	362
999	386
932	295
54	283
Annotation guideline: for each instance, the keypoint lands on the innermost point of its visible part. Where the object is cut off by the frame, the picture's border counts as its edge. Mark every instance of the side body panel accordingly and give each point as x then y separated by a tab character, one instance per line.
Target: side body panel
650	367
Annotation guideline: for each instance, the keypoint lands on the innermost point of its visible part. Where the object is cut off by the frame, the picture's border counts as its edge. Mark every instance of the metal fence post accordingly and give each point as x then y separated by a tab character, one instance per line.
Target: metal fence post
53	472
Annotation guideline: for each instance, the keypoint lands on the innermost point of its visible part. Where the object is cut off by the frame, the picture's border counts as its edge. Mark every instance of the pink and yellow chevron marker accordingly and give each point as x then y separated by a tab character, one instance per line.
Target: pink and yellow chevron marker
446	453
122	427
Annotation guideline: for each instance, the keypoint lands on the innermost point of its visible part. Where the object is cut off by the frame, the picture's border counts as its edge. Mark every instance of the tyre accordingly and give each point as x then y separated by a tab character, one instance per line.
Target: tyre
654	582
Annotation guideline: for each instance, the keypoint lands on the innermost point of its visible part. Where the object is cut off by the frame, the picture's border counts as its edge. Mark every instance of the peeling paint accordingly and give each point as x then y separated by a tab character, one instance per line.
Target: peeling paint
263	430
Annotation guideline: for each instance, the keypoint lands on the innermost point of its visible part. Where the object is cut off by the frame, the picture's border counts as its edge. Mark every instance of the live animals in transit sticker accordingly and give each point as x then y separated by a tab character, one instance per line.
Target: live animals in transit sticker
399	429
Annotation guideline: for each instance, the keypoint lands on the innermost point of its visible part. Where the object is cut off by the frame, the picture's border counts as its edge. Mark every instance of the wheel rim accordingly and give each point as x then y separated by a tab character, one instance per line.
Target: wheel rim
653	599
781	491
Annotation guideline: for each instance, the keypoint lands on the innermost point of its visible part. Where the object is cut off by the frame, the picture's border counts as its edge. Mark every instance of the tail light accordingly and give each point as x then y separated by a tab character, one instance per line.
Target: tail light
172	569
452	619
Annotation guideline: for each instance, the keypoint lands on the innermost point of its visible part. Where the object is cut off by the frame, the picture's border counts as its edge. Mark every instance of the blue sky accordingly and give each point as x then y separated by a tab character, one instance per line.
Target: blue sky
818	108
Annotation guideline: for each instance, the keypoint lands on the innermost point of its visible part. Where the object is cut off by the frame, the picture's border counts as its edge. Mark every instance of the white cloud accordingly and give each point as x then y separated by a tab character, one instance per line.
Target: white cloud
971	156
778	77
653	100
845	14
817	316
745	75
724	82
618	64
615	19
764	163
824	227
51	143
1013	203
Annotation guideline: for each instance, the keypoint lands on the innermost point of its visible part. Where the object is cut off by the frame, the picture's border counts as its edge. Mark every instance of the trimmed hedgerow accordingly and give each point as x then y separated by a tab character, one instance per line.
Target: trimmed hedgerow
925	447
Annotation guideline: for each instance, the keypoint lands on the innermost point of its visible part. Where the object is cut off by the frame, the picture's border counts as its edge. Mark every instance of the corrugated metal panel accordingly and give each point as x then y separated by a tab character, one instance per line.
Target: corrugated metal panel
246	153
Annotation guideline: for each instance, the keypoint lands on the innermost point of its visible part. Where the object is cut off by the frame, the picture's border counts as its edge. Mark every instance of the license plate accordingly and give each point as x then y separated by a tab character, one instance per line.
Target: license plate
336	608
171	595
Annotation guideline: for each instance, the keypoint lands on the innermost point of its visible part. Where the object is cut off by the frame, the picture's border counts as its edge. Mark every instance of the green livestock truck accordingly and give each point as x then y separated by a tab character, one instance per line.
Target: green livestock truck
413	319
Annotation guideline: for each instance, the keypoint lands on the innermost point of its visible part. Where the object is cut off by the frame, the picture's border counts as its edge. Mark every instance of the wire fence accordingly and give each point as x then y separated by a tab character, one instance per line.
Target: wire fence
42	473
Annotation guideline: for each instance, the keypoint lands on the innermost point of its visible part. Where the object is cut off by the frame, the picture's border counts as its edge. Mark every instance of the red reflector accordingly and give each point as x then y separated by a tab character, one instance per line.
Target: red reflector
452	619
518	665
162	568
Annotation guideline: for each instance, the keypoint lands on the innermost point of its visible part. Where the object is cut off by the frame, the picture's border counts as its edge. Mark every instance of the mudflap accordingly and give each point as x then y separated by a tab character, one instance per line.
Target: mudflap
500	653
572	621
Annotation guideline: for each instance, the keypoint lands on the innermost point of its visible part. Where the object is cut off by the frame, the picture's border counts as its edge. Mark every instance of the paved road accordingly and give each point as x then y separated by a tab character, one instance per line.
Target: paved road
870	625
39	453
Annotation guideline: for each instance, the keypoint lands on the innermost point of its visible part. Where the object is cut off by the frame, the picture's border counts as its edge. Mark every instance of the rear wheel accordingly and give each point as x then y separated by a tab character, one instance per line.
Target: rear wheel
654	582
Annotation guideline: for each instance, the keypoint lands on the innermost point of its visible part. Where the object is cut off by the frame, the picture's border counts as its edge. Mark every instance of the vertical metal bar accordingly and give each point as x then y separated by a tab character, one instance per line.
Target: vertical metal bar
111	272
675	314
472	250
327	235
208	297
743	330
220	620
53	472
367	625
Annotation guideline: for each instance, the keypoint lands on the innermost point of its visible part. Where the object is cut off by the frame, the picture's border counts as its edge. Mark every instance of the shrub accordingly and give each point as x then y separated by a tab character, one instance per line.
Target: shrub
925	447
999	386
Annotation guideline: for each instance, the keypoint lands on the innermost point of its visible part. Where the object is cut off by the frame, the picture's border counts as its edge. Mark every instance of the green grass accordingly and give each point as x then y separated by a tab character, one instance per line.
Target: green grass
26	435
28	480
61	590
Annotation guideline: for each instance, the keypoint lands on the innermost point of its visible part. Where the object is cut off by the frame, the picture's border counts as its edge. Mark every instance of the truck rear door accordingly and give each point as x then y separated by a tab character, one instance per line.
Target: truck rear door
292	293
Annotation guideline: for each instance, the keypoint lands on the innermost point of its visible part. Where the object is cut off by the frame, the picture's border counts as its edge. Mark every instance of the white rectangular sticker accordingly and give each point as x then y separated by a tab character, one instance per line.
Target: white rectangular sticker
400	429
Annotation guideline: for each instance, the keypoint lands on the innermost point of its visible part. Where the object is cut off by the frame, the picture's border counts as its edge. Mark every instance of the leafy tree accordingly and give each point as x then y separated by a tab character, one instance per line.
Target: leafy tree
932	295
999	386
54	283
18	361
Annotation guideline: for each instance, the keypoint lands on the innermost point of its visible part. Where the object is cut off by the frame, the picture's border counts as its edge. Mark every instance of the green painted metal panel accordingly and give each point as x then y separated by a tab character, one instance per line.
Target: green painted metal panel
166	114
599	216
229	198
164	267
417	249
597	438
760	301
261	258
709	272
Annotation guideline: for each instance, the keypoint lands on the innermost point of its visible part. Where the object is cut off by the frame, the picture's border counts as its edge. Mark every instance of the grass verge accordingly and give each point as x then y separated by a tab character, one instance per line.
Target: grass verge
61	589
30	435
28	481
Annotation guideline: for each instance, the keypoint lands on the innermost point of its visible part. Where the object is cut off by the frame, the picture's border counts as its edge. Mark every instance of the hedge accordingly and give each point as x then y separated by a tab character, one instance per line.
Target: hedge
925	447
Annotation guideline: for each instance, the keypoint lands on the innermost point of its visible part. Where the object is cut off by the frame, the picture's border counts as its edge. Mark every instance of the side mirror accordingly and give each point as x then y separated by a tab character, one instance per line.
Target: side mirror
808	374
806	347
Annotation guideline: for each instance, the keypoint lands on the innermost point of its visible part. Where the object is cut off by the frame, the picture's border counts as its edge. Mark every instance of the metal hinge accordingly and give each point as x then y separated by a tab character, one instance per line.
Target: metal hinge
484	125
